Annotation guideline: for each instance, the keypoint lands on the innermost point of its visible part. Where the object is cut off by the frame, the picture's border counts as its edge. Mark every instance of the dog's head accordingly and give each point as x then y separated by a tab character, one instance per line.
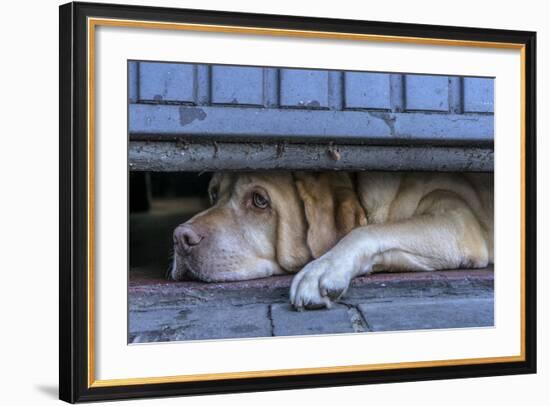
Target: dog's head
262	224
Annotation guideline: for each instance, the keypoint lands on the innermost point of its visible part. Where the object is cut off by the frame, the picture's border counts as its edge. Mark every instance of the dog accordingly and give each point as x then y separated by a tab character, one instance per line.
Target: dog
330	227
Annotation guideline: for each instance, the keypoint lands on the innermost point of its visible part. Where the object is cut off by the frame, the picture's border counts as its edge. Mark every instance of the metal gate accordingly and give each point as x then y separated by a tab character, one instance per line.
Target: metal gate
211	117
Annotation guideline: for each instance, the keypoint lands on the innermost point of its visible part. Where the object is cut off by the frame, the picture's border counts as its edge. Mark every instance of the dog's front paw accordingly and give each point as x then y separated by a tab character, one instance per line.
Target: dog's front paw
317	285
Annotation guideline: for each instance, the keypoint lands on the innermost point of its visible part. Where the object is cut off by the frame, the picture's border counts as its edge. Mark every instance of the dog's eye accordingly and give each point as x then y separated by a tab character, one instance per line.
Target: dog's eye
259	201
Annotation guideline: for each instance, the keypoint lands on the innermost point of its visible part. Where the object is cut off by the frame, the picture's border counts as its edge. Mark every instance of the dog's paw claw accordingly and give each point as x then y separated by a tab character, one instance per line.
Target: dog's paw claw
317	286
333	288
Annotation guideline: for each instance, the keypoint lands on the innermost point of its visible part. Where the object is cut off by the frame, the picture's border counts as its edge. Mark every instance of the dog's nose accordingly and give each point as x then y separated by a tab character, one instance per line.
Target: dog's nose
186	236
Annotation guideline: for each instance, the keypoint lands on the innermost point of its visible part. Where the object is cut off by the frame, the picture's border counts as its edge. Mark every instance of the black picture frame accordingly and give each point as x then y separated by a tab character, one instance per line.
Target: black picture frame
74	200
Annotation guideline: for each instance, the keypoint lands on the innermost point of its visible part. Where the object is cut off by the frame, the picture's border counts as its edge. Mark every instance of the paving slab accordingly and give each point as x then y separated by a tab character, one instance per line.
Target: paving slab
289	322
200	323
428	314
161	310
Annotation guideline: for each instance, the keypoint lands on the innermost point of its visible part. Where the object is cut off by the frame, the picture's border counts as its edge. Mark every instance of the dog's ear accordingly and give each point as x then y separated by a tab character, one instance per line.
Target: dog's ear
292	250
331	206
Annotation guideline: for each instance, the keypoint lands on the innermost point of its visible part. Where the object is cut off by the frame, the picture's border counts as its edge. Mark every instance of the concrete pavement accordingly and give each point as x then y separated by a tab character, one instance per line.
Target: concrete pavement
173	311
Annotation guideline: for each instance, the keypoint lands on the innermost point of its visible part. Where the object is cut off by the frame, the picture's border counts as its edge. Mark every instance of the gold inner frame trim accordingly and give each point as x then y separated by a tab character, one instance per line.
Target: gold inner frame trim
94	22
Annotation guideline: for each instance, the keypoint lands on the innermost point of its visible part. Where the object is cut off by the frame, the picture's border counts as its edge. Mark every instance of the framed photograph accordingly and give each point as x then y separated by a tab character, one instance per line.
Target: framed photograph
257	202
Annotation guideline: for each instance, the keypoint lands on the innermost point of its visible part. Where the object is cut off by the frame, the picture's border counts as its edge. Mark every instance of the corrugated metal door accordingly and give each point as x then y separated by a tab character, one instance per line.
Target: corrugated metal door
235	103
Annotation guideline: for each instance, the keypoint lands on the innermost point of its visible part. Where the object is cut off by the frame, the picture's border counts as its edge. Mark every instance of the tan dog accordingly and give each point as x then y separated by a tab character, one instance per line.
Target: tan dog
334	226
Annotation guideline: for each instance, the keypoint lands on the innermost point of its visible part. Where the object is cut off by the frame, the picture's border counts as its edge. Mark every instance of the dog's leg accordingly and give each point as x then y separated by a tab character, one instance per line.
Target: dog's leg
445	235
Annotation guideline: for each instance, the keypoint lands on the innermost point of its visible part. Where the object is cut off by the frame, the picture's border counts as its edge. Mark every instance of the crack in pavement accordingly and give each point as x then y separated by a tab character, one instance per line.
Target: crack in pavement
358	322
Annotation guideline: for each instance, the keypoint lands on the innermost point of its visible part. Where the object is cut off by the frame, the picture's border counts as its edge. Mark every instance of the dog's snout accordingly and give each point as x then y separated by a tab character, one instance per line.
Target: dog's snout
187	236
